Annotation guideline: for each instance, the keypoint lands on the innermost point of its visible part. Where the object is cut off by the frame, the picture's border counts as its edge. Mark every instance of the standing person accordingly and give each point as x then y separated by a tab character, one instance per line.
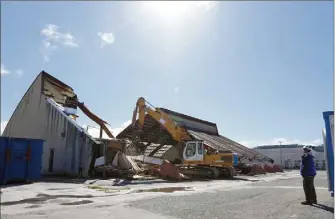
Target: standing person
308	172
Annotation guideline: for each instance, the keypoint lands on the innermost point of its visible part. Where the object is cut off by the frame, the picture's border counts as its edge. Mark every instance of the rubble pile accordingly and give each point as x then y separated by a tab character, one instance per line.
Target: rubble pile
119	165
169	171
122	166
115	163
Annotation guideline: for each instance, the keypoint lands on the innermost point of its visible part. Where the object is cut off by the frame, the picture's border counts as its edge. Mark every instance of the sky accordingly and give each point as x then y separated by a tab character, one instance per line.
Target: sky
262	71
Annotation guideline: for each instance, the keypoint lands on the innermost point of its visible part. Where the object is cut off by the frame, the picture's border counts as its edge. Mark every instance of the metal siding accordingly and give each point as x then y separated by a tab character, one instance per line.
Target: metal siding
73	151
225	144
26	122
37	118
193	125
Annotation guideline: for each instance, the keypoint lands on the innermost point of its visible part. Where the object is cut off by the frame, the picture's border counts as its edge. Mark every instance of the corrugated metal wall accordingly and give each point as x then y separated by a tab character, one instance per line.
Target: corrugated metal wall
35	117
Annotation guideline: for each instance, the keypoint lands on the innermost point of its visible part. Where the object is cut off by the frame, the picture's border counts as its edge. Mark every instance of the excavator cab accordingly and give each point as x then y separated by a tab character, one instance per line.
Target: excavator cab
194	151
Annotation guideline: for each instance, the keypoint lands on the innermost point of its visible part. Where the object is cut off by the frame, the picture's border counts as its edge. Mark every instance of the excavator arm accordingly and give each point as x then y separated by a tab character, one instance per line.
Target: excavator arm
95	118
177	133
91	115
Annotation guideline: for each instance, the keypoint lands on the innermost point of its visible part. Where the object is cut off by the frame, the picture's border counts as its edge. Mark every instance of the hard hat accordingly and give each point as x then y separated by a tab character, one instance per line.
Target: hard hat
306	148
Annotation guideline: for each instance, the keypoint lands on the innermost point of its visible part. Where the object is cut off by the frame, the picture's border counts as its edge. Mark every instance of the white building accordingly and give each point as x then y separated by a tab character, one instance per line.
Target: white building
291	157
40	115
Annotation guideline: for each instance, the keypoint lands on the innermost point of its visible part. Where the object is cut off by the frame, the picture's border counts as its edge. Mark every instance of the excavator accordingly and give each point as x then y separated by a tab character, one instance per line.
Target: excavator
196	157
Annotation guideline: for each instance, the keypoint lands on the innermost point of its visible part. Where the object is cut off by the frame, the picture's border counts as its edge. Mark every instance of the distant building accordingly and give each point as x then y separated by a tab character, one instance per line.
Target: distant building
291	157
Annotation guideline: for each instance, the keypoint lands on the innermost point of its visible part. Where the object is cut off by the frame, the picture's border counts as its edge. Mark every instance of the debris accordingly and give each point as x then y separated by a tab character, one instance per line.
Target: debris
256	169
116	165
99	161
112	171
277	168
149	160
169	171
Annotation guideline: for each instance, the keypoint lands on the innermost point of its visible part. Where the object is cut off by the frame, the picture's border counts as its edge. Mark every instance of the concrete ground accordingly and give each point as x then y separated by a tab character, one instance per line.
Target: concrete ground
270	196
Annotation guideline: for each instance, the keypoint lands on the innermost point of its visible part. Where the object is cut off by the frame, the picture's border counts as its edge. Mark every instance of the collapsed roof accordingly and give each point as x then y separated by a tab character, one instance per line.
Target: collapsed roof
64	95
198	129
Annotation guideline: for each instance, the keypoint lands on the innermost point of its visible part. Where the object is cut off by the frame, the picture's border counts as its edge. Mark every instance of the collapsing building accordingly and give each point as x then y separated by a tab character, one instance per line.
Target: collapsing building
48	111
158	143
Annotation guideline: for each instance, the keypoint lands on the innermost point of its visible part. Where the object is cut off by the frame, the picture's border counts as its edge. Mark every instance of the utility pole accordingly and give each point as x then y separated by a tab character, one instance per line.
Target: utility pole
281	159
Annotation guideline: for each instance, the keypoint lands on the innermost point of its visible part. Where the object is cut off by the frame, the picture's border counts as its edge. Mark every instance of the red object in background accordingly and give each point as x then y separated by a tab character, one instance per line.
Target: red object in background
169	170
268	169
277	168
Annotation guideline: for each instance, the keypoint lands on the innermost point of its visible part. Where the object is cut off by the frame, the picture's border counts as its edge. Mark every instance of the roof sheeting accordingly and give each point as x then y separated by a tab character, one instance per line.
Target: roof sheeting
199	129
224	144
151	132
61	110
56	89
191	123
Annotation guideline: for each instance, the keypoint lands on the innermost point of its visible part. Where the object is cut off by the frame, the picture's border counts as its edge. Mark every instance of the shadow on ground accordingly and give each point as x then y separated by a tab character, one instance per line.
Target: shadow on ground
324	207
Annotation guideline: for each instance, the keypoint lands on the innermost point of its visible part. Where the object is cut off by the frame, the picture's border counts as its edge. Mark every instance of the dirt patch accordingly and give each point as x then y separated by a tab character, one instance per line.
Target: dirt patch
165	190
83	202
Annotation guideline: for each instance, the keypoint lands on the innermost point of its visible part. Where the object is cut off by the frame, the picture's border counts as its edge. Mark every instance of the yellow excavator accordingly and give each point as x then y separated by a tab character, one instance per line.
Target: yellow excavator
196	157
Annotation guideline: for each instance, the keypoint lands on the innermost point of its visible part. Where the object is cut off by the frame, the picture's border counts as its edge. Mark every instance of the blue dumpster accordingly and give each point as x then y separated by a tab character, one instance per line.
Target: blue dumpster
20	159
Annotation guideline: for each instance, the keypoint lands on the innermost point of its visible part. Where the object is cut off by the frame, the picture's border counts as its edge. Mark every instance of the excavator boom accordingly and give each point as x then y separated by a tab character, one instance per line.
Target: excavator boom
95	118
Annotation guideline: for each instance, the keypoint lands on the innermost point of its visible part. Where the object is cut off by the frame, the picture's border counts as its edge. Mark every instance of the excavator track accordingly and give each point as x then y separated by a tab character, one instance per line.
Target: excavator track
207	171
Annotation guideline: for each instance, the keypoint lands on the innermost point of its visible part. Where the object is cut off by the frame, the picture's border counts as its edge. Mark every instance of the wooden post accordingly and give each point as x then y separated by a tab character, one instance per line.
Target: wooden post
105	164
104	172
100	132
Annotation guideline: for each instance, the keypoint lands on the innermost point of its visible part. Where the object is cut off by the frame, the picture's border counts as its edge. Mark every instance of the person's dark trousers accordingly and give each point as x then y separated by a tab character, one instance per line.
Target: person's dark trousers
309	189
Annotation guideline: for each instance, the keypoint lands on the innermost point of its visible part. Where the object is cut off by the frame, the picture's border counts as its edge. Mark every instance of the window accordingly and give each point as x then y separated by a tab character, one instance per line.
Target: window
190	149
200	148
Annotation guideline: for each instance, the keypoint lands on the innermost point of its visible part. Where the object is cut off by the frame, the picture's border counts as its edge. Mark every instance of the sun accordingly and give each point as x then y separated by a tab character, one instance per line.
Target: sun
170	11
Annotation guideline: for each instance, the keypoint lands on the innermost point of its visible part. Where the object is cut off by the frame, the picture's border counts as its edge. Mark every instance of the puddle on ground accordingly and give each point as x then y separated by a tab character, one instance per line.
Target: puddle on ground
107	189
41	213
102	206
83	202
55	189
165	190
42	198
34	206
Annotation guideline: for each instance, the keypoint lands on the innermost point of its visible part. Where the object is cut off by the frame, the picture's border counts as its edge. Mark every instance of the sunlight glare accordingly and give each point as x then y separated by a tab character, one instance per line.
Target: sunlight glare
173	11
